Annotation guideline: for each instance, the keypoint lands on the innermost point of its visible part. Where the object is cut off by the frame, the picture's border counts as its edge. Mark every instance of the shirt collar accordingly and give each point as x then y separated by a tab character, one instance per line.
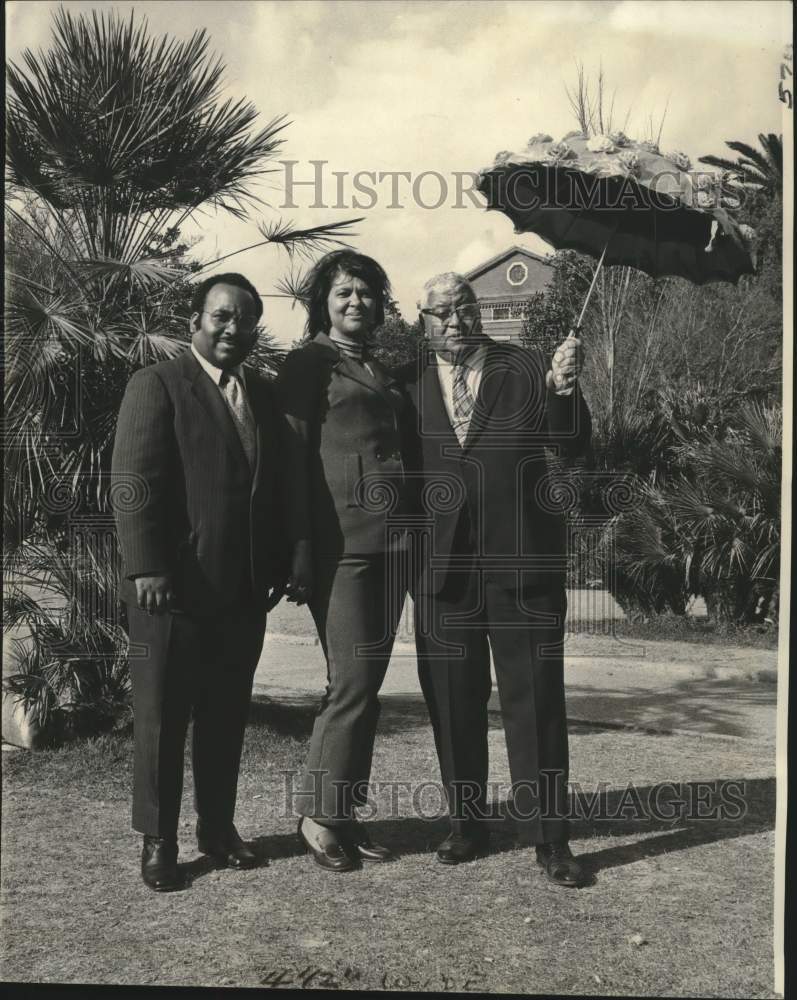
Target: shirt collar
214	372
474	360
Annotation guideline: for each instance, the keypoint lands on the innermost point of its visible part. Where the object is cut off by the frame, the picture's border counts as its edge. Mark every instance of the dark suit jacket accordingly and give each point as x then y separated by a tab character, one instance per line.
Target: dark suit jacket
343	459
493	496
187	502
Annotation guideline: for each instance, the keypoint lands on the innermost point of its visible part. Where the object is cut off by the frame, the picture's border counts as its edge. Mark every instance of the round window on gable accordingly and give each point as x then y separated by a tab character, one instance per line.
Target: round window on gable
517	273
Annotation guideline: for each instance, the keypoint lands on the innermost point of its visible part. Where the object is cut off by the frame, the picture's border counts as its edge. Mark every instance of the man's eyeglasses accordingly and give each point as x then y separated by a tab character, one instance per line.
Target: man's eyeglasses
223	317
466	314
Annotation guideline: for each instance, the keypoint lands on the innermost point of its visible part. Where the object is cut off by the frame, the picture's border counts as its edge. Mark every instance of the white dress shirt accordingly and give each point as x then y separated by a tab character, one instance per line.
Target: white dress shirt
445	372
245	420
216	373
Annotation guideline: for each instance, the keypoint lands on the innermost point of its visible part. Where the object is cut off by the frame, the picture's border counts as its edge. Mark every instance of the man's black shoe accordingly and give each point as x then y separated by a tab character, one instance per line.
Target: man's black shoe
226	848
460	847
159	864
560	866
330	853
358	840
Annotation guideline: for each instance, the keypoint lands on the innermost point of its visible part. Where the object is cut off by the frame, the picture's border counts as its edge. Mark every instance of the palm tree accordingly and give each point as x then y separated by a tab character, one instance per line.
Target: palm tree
729	505
712	529
758	170
115	138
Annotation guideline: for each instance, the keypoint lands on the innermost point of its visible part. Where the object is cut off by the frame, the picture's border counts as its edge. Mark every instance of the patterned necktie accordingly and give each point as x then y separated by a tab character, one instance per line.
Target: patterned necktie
463	402
241	415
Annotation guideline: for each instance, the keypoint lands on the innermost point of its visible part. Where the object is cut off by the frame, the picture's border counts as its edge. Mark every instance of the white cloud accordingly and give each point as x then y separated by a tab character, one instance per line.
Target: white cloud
744	23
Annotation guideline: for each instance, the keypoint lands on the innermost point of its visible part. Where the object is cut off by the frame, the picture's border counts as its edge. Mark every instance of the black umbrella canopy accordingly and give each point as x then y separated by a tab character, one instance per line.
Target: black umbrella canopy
625	202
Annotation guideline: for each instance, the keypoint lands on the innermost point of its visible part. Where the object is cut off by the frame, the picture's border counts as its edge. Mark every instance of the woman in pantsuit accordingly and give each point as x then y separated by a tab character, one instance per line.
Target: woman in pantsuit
346	485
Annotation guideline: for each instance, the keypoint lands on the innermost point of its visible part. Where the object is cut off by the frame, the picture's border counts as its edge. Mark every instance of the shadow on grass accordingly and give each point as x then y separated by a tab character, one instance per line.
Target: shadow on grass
748	805
400	714
709	706
716	707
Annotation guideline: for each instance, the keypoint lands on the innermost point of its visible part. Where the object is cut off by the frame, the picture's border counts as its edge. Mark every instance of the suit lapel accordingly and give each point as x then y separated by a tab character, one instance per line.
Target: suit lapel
255	394
384	382
434	416
494	370
209	398
379	382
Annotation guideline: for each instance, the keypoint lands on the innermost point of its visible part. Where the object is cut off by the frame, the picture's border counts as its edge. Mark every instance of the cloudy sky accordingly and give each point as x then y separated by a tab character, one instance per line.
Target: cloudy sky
437	88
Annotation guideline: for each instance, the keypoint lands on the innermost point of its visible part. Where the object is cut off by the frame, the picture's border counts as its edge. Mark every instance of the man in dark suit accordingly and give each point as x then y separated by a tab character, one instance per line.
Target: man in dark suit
490	566
203	561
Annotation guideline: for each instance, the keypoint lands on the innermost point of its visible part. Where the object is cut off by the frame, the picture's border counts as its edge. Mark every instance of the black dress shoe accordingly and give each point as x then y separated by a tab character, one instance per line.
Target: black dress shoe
359	842
560	866
330	854
159	864
458	848
226	848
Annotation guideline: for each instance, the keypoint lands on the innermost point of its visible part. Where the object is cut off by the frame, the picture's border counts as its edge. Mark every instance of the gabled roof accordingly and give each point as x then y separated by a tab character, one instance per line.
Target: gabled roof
488	265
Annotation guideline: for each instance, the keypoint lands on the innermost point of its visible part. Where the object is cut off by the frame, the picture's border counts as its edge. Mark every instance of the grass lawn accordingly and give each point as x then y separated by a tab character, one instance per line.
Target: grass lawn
679	908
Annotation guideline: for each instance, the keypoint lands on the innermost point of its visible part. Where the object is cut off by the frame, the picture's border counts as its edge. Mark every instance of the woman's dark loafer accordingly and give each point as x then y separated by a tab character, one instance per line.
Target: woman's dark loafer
330	855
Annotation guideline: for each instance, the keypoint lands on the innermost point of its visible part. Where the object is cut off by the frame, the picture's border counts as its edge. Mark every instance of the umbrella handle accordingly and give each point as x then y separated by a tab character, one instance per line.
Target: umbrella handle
594	280
576	330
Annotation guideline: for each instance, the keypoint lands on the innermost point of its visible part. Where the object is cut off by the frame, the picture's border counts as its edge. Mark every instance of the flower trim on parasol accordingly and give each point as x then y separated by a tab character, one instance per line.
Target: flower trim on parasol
623	201
559	151
630	162
749	237
600	144
616	155
681	160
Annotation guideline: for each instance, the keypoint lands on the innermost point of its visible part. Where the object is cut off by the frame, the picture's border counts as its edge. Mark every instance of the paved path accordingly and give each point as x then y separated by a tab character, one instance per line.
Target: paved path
669	686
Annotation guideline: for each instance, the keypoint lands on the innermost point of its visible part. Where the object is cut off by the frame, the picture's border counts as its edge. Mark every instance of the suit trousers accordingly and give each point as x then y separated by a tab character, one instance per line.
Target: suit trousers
184	666
357	602
455	630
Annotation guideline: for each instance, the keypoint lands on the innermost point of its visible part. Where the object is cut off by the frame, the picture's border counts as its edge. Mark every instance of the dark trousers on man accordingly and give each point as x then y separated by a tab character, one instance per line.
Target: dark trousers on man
182	667
455	629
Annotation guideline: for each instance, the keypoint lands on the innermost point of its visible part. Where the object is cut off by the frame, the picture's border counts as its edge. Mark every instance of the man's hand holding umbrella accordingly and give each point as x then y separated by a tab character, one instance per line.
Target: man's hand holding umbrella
566	365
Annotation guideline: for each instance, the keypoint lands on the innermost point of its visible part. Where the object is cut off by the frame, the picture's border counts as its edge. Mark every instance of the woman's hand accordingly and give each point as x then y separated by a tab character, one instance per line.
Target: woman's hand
299	587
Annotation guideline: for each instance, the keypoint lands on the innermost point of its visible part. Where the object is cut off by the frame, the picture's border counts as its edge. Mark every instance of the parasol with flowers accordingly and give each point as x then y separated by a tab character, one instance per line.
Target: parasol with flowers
623	202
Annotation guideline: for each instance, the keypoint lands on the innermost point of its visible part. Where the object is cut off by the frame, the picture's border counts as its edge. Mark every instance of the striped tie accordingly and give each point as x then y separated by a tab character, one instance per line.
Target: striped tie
463	402
241	414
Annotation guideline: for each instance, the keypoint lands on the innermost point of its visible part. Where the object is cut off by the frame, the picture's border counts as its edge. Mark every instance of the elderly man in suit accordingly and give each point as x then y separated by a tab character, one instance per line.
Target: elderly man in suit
490	566
203	561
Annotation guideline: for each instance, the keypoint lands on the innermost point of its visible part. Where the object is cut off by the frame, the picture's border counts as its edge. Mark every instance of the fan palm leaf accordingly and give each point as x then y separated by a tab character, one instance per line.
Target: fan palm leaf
119	126
759	169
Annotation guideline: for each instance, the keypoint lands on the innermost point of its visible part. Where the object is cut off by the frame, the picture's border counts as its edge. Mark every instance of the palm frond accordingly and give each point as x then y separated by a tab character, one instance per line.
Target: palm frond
144	272
760	170
120	126
292	285
311	240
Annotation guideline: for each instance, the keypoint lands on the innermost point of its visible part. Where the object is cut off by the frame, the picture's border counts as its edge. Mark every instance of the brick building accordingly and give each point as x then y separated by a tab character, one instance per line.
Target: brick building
503	285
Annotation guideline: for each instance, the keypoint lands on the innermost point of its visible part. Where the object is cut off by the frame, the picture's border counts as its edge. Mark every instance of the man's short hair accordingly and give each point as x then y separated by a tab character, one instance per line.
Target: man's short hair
201	290
448	281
